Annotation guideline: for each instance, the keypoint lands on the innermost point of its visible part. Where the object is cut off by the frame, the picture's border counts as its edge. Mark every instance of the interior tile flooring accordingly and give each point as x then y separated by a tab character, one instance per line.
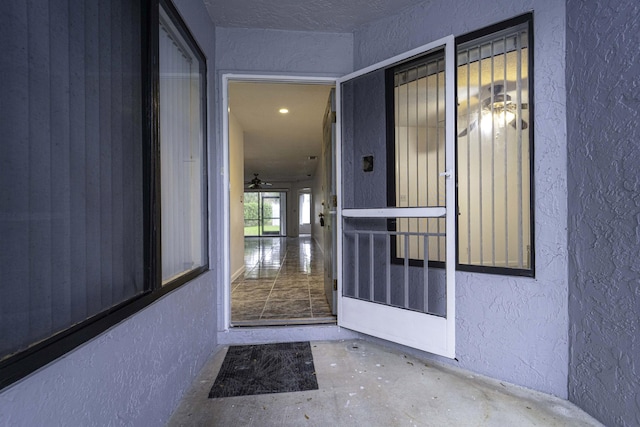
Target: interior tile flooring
283	283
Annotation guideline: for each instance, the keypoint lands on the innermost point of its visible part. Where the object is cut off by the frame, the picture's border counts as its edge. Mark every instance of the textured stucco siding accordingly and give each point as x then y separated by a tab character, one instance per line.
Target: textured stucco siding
603	121
134	374
509	328
256	51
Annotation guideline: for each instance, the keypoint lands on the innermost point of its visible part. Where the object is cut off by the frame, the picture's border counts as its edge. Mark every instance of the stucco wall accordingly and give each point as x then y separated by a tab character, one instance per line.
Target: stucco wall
290	52
603	122
133	374
509	328
136	372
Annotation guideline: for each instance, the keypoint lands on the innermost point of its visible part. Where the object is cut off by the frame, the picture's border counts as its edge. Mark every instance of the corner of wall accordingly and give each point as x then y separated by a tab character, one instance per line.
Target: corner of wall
603	118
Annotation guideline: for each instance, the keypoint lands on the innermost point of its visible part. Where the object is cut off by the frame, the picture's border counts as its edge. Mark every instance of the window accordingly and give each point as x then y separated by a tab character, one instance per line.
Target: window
495	232
182	150
264	213
78	251
494	151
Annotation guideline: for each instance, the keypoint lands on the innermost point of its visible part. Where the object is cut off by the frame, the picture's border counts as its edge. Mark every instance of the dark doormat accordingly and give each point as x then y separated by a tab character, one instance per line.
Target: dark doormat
267	368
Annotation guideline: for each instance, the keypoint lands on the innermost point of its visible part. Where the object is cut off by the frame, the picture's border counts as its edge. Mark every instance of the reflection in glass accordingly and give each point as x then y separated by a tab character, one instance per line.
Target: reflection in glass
182	163
493	151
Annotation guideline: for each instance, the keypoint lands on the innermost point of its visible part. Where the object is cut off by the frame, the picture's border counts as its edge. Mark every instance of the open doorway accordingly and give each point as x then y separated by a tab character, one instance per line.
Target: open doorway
304	208
277	178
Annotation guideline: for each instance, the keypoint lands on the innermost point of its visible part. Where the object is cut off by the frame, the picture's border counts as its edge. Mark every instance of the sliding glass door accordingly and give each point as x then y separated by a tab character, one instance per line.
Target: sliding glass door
264	213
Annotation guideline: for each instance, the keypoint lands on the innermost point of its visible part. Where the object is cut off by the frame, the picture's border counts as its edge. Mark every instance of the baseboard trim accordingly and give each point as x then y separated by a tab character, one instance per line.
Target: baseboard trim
238	273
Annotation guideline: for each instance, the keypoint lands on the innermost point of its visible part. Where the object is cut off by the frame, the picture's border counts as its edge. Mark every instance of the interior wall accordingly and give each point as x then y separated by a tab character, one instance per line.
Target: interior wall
136	372
603	123
509	328
236	196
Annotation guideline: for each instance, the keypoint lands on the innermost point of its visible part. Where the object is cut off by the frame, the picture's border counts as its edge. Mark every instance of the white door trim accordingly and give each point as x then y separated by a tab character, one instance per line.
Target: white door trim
226	78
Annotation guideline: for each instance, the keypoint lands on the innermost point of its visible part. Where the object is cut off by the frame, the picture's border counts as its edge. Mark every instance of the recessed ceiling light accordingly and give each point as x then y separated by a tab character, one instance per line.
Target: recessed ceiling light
283	111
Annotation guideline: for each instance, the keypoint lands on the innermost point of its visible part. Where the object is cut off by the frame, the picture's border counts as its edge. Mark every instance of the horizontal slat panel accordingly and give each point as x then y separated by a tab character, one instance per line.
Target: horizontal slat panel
395	213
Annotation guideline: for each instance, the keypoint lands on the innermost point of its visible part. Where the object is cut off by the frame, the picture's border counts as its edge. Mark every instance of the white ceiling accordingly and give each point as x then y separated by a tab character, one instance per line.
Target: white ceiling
278	146
341	16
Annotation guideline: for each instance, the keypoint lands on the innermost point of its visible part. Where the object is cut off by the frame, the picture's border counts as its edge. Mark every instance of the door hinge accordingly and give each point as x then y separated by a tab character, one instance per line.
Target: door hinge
334	201
335	284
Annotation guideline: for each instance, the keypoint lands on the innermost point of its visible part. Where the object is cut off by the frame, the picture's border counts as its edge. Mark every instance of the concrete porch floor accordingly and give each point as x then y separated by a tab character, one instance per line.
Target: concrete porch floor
365	384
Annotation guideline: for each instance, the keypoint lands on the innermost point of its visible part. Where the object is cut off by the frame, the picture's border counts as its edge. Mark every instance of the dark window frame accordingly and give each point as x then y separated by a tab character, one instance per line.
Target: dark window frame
19	365
390	137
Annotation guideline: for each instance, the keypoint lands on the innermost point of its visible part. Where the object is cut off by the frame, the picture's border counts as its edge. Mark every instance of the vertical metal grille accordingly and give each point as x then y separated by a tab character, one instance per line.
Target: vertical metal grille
494	151
414	288
419	118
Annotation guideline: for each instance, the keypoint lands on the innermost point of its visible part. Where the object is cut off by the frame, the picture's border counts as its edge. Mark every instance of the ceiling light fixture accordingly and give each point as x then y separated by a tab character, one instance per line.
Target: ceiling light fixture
496	111
283	111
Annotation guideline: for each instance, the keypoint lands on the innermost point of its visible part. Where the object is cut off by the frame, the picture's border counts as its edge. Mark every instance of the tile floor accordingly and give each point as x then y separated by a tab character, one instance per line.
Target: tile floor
283	283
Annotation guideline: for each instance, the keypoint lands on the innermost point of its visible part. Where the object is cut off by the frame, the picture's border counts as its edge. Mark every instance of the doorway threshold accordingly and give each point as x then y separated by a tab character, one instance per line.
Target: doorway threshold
328	320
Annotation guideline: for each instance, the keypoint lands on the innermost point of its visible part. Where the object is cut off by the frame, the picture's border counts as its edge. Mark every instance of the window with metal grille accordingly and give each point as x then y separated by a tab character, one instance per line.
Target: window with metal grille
494	151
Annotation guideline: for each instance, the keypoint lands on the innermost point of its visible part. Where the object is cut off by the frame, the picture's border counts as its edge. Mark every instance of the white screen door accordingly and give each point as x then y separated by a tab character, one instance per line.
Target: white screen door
396	199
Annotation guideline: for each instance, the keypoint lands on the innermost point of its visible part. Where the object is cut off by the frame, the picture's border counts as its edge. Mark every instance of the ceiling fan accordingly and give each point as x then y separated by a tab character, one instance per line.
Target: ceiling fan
500	106
256	183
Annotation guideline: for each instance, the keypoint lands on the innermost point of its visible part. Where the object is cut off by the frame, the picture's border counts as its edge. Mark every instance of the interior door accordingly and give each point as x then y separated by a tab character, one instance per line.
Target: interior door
396	199
330	202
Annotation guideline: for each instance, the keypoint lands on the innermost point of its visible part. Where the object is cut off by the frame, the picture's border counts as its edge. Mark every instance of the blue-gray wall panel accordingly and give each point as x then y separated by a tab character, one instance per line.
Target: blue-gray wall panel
603	122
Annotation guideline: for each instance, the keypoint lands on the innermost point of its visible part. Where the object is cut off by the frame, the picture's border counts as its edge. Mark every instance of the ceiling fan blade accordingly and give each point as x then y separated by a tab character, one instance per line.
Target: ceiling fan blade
514	124
469	129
